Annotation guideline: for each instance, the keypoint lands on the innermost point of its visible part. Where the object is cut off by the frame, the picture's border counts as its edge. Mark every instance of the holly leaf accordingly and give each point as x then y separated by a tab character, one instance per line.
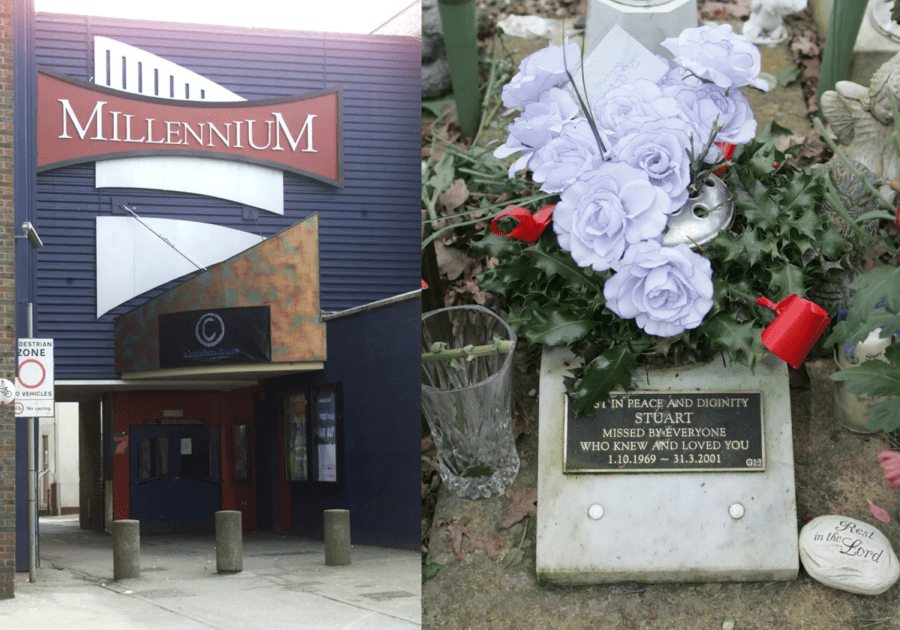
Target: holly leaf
494	246
610	370
875	378
760	208
559	264
789	280
831	243
768	133
521	504
800	196
885	416
742	341
551	327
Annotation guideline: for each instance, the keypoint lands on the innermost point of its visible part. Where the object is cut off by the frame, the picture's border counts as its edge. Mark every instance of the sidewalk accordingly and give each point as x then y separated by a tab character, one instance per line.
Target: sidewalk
285	584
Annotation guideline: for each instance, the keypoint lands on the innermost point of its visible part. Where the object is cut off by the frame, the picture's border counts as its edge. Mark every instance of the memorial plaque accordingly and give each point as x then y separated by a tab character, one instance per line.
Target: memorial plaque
667	431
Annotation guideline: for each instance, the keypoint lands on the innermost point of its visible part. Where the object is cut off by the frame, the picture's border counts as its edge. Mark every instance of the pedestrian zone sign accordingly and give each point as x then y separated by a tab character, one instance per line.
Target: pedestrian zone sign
34	383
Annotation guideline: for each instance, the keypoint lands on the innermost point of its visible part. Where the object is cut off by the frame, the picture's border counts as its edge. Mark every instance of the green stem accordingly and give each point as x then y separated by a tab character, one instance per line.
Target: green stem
468	351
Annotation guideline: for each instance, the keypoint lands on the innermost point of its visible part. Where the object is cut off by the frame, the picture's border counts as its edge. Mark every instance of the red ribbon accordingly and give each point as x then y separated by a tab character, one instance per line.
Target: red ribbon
530	226
727	152
897	220
424	284
796	329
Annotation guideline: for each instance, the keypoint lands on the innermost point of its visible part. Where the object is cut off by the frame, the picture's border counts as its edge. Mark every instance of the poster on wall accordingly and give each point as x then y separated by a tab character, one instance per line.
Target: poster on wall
296	438
326	433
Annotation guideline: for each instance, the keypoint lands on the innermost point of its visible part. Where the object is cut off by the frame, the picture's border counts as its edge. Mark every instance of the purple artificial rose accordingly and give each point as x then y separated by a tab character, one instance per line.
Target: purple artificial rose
660	149
719	55
667	290
626	108
559	162
708	104
541	71
606	209
539	123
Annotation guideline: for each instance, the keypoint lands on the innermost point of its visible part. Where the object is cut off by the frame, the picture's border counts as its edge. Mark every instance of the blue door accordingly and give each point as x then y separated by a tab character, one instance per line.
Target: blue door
174	473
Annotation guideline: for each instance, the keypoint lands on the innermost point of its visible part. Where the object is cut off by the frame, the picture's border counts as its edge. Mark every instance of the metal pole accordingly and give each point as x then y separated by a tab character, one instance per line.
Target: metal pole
32	479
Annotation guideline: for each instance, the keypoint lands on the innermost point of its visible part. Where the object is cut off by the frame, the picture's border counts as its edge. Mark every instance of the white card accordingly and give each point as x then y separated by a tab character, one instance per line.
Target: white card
618	59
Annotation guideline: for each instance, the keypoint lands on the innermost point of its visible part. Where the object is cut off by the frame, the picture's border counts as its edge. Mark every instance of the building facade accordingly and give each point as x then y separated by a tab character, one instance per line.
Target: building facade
230	271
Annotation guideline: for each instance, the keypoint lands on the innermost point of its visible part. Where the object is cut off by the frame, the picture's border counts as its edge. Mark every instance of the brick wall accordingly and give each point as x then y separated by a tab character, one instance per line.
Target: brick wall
7	307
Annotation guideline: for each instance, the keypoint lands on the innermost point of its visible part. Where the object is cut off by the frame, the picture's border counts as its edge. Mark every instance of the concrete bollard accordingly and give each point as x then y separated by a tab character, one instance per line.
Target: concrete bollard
126	549
229	542
337	537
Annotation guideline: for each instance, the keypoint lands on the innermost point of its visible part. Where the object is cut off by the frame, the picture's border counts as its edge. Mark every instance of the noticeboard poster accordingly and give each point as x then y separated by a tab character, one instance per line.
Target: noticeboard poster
326	433
296	439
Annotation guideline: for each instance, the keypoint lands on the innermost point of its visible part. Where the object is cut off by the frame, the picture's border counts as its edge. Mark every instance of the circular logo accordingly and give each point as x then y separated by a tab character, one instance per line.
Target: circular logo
20	408
7	391
210	329
31	373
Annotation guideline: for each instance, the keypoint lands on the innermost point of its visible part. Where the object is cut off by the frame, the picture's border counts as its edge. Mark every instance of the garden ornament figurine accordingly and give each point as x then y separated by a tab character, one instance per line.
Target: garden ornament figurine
766	23
863	121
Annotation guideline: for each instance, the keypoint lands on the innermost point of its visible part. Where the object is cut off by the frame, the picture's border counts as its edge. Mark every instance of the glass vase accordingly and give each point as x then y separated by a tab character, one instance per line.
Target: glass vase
466	402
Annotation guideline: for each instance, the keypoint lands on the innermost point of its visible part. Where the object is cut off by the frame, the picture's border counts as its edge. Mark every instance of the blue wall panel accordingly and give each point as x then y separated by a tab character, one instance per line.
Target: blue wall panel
375	355
369	230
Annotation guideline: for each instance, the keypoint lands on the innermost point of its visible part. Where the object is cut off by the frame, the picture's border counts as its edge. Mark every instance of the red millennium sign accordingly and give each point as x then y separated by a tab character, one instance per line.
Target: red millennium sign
83	122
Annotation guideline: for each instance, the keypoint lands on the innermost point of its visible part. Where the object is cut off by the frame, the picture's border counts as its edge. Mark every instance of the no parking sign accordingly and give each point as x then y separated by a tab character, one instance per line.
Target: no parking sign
34	384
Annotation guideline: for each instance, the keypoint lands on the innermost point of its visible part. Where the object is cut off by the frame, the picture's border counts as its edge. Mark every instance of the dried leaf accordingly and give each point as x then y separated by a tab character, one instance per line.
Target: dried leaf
453	262
455	196
725	10
880	513
521	504
489	543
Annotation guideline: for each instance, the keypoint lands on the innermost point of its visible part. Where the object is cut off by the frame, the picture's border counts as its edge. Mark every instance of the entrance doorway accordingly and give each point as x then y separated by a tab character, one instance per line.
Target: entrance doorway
175	473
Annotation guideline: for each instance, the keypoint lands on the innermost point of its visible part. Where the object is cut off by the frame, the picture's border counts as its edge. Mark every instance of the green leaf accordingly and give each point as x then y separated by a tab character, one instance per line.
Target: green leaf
552	327
789	280
771	130
431	569
879	284
438	107
742	341
788	75
443	174
760	209
561	264
874	378
885	416
494	246
610	370
831	243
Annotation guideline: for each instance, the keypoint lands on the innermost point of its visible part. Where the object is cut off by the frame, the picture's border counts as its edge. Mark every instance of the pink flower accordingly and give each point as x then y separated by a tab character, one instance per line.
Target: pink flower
890	461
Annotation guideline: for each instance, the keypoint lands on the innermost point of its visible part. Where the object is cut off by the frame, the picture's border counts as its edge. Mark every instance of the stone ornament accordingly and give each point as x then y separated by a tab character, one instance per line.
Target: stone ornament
863	121
766	23
848	554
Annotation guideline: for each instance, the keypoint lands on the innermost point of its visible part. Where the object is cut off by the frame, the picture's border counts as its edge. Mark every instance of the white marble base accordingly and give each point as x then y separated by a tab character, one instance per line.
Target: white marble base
647	24
669	527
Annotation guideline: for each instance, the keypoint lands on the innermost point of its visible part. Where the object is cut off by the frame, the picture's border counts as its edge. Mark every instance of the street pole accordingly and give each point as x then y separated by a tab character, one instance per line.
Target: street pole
32	478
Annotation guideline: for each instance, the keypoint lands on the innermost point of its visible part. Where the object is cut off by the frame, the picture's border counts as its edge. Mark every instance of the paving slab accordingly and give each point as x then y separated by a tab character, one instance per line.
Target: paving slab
284	584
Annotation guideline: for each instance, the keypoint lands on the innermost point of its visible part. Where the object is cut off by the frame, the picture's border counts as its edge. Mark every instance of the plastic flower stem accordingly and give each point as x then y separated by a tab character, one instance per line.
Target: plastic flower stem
853	169
521	201
464	223
468	351
588	114
489	90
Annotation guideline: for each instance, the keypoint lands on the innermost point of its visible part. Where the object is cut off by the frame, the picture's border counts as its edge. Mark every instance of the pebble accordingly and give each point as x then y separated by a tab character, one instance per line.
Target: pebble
848	554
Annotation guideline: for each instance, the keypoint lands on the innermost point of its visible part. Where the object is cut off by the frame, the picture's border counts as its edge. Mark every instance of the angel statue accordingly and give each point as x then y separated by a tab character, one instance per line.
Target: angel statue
766	23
